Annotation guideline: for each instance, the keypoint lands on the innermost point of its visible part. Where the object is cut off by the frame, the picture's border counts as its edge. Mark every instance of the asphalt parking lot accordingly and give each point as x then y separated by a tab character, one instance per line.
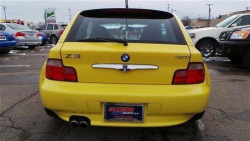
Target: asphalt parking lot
22	116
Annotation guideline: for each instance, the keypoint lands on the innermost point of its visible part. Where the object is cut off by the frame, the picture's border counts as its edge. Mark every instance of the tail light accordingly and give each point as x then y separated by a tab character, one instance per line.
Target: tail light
39	34
56	71
194	74
20	34
61	32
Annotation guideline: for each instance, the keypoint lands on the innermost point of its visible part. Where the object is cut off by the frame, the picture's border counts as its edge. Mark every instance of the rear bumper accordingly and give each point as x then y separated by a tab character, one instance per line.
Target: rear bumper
7	45
164	105
29	41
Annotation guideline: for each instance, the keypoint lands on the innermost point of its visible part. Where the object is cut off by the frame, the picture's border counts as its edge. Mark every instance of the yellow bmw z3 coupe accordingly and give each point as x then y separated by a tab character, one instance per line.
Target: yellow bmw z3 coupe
127	68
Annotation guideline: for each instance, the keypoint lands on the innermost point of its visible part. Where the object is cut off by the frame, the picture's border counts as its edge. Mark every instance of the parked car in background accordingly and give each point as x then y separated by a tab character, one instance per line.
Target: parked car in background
24	35
44	38
53	31
236	45
7	42
205	39
99	76
189	27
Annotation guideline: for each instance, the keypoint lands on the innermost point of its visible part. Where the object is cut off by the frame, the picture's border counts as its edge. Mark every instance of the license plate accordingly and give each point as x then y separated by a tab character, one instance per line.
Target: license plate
31	35
123	112
2	38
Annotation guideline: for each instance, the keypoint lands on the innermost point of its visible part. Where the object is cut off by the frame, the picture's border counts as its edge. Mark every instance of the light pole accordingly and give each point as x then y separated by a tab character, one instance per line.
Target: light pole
4	9
69	15
209	14
126	4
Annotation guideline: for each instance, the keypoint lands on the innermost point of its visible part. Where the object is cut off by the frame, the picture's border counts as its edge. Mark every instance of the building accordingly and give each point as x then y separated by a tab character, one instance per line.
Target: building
204	22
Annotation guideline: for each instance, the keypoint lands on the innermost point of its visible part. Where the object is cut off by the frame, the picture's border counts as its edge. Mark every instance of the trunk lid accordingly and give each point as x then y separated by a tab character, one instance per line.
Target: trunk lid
168	58
30	34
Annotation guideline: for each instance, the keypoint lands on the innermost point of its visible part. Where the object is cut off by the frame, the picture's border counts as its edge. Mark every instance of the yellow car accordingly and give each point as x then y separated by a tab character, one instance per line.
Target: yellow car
127	68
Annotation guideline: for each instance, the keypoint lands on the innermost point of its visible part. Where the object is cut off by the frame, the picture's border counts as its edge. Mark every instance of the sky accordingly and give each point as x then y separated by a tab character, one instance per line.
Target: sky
33	10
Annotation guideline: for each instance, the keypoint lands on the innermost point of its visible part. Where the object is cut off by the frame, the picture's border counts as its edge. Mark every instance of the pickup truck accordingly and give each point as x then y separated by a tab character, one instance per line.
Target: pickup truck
236	45
205	39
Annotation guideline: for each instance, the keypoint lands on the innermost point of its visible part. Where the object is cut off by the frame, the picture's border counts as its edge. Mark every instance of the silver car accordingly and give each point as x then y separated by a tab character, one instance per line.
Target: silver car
53	31
24	35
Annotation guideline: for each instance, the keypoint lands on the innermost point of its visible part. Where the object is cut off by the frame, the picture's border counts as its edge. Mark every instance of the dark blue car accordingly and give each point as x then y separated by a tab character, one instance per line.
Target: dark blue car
44	38
7	42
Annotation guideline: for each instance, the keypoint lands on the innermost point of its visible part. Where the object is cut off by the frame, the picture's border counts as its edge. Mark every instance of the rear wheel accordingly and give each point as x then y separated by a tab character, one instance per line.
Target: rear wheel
246	60
53	39
51	113
207	48
197	116
4	51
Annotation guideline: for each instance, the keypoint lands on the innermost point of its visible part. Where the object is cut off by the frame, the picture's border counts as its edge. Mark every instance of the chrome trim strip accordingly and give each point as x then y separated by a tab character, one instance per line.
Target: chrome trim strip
125	67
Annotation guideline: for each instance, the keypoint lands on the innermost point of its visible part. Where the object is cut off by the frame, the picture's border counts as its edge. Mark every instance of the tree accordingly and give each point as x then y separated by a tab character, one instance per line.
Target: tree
186	20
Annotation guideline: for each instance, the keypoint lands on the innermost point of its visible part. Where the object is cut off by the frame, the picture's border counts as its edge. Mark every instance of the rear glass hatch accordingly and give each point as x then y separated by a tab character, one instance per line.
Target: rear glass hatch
151	40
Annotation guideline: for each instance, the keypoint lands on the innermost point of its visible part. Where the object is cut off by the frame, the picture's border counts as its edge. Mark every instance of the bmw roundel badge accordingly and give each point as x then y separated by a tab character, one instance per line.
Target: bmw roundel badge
125	57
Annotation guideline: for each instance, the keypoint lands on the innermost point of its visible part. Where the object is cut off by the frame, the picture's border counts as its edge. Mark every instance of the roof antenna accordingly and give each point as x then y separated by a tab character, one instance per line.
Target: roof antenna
126	4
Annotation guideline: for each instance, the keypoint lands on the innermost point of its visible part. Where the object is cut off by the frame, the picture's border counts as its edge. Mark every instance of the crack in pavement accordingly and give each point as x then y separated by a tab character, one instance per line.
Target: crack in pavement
25	133
232	116
18	103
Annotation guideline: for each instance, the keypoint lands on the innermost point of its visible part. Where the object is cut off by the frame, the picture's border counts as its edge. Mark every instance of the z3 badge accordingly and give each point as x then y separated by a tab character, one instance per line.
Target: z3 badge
72	56
182	57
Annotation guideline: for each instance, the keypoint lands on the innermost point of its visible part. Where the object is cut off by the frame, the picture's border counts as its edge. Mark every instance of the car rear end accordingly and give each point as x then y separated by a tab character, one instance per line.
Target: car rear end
7	42
25	36
60	30
28	38
157	79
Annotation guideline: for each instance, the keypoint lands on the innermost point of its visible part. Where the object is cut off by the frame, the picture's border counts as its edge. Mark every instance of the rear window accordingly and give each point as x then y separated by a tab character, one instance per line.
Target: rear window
136	28
18	27
64	26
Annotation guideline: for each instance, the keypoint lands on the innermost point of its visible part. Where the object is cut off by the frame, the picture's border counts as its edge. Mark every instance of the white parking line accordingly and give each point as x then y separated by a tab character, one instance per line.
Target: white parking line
13	66
37	54
201	125
23	54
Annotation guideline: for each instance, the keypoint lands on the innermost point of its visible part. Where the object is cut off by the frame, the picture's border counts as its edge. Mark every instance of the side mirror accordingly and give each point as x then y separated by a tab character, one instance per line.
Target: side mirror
234	25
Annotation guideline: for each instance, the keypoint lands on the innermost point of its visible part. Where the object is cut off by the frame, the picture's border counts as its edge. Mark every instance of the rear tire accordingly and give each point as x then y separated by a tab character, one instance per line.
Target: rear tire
207	48
4	51
51	113
197	116
53	39
246	60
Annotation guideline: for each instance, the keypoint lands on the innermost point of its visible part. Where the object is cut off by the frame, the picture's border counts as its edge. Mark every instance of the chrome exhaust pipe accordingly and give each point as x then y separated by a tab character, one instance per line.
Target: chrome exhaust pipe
83	124
74	123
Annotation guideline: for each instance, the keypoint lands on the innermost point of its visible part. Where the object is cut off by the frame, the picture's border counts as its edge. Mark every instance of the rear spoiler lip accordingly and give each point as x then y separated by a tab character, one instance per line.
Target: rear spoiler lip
129	11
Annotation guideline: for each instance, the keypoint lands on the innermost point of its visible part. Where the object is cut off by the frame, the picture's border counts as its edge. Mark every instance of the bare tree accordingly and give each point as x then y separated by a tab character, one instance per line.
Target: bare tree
186	20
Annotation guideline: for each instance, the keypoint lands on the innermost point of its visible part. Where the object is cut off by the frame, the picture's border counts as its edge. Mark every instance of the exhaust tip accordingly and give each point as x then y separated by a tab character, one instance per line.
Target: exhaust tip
74	123
83	124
